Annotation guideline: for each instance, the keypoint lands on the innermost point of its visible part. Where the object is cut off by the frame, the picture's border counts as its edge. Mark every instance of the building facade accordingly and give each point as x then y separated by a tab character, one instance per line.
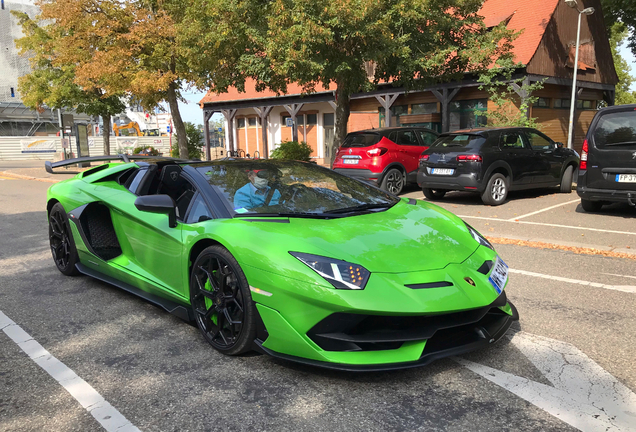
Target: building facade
545	48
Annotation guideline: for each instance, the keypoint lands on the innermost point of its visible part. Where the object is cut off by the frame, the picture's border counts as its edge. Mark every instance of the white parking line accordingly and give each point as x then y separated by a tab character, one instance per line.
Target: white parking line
107	416
583	394
547	224
623	288
543	210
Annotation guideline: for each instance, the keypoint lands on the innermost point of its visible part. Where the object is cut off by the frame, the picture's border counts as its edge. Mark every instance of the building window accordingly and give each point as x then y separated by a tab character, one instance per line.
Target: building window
586	104
240	123
328	119
468	113
312	119
251	122
424	108
562	103
542	103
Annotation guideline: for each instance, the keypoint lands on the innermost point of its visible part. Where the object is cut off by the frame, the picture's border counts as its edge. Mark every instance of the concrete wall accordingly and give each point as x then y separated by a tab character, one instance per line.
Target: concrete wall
38	148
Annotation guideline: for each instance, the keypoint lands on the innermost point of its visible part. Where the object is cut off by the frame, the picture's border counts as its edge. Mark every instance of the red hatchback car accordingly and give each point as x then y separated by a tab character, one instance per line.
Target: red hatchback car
388	157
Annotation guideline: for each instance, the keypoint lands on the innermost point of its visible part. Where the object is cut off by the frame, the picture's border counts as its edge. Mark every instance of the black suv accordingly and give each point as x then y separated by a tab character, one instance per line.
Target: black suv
494	161
608	161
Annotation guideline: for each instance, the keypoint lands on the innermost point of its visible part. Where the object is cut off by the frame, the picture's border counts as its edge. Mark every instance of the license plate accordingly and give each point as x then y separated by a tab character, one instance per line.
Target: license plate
442	171
350	161
626	178
499	275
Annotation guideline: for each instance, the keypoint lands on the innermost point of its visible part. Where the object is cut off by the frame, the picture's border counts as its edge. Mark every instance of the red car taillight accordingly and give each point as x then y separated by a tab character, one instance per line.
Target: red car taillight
423	158
470	158
583	165
378	151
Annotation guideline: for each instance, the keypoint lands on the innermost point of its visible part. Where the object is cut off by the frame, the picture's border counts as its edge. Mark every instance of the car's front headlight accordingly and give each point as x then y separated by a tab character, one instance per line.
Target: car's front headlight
478	237
340	274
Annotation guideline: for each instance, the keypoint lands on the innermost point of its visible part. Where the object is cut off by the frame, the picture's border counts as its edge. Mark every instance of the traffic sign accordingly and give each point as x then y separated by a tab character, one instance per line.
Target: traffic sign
168	128
220	129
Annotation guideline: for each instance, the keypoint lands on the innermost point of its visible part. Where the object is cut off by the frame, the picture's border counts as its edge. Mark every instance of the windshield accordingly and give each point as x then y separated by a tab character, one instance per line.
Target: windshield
361	140
616	130
288	188
459	141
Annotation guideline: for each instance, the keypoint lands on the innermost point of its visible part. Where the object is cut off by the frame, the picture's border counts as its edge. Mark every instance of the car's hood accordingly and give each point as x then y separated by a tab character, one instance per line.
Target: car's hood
404	238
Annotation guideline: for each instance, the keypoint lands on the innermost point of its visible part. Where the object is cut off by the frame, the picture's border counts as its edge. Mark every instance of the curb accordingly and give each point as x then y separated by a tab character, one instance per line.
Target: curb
24	177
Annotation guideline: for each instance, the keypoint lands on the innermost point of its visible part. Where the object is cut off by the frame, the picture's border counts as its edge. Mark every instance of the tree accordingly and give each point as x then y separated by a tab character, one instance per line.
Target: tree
51	81
410	43
621	11
125	47
504	90
625	80
195	142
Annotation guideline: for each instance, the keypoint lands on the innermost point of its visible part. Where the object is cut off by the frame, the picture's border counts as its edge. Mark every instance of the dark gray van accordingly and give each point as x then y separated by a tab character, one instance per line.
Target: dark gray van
607	172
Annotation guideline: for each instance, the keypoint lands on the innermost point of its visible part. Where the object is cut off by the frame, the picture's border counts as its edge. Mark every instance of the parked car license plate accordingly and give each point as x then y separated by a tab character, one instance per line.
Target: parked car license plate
350	161
442	171
499	275
626	178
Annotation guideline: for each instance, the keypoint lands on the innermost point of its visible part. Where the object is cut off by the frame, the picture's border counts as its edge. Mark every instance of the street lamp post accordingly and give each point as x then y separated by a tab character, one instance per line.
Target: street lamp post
586	11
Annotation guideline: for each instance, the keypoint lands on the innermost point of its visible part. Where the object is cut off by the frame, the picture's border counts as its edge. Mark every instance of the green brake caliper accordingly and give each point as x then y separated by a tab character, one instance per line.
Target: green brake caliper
208	302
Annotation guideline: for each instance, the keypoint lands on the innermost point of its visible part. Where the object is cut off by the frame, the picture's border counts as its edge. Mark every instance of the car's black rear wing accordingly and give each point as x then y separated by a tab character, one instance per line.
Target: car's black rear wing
122	157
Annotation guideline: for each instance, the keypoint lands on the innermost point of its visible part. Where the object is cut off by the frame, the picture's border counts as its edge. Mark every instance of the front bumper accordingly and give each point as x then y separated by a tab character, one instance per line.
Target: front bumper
463	182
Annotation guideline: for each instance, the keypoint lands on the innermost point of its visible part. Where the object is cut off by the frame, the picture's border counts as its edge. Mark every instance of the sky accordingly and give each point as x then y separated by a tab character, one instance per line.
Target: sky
191	112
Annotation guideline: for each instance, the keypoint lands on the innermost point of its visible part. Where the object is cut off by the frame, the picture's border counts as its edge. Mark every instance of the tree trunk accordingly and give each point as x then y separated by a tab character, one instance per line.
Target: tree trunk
106	133
179	127
342	119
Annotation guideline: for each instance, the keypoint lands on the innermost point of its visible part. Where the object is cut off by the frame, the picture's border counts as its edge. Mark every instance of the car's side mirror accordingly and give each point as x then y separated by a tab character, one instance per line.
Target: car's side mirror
559	145
158	204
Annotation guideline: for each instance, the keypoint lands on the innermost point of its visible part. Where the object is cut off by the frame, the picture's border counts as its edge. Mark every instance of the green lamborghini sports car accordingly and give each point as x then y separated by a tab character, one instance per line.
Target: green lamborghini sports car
285	258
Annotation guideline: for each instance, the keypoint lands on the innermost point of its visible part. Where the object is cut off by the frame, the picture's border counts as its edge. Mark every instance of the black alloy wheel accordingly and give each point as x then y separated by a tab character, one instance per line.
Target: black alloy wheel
393	181
433	194
61	241
221	301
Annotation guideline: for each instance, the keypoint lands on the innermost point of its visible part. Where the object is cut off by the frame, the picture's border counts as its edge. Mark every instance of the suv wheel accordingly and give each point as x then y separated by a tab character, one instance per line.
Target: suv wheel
393	181
566	180
433	194
591	206
496	190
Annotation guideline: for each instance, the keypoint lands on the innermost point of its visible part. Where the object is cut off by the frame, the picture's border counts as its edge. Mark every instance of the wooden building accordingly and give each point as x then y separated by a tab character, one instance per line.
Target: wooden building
545	47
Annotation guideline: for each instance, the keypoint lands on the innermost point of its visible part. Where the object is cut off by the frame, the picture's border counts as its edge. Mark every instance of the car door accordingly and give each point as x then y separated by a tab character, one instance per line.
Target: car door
516	152
548	159
409	145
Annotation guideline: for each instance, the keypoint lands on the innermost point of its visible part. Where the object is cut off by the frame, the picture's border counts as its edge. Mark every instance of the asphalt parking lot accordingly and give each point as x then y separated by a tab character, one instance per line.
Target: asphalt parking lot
566	365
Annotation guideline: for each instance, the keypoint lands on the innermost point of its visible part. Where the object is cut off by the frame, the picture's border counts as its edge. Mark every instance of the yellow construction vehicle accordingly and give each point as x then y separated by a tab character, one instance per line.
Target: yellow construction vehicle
129	126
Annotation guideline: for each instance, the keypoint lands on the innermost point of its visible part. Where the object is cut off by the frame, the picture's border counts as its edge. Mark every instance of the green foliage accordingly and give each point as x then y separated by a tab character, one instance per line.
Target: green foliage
624	94
147	150
512	97
195	142
622	12
293	150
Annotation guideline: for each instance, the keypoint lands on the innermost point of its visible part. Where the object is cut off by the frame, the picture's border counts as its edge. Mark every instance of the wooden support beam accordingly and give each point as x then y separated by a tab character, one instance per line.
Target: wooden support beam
206	131
387	101
230	114
445	97
293	110
263	114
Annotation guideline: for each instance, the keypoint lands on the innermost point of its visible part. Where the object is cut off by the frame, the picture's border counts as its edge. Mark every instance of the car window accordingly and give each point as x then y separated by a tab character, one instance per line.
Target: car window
427	138
460	140
616	130
393	136
361	140
199	211
407	137
510	140
538	141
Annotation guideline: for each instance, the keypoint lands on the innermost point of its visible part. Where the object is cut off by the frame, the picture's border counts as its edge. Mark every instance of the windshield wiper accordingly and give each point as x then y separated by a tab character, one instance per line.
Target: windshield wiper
620	143
359	207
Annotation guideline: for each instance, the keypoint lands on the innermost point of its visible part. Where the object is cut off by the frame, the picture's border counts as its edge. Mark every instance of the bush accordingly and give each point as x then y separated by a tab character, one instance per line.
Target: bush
293	150
195	142
147	150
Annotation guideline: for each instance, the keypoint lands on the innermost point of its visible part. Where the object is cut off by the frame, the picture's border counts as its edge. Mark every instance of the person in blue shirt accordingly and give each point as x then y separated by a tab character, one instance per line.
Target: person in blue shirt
254	194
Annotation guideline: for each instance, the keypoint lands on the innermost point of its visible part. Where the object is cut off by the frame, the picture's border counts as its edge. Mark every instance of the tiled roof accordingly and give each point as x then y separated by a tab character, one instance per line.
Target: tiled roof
531	16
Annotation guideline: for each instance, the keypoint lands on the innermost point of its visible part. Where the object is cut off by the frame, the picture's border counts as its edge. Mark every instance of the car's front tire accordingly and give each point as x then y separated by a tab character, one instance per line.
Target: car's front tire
393	181
221	301
61	241
496	190
566	180
591	206
433	194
